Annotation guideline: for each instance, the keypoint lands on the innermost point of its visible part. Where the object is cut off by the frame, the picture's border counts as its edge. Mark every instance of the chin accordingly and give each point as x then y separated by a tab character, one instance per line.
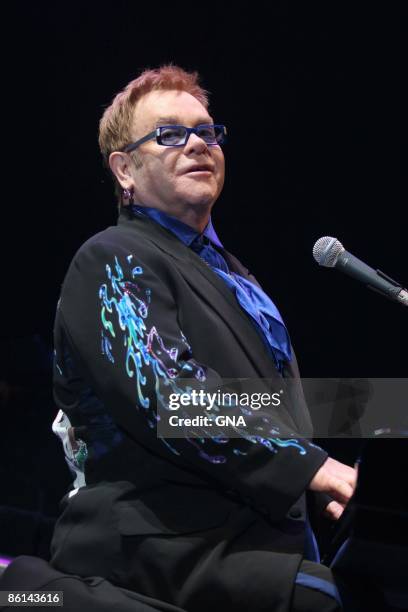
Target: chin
204	198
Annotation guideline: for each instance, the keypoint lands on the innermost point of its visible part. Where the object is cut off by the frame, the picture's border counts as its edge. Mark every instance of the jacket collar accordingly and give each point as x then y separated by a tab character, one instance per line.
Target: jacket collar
184	232
207	284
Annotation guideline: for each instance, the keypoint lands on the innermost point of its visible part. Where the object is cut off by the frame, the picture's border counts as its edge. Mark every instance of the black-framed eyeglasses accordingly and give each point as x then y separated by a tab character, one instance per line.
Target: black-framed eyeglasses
178	135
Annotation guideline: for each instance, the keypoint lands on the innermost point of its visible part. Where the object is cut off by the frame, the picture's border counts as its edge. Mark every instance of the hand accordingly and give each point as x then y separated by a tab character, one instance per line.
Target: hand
333	510
336	479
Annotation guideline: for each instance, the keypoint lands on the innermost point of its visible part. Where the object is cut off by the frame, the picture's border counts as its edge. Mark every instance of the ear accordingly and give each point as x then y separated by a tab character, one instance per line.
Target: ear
120	164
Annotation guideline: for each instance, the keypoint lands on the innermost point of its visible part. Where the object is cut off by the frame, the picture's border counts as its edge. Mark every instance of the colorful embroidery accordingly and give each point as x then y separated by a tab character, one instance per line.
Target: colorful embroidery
125	307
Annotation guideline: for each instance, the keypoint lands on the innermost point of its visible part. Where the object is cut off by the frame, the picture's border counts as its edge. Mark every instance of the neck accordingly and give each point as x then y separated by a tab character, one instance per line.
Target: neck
196	217
191	218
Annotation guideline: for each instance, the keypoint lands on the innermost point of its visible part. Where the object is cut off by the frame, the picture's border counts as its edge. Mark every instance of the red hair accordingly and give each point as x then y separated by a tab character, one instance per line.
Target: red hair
115	125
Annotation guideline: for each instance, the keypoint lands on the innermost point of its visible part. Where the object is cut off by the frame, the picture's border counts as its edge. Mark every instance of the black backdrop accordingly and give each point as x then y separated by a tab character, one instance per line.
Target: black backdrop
312	94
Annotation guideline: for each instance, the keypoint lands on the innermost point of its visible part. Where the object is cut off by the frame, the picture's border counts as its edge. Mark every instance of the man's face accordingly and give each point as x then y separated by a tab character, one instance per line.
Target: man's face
169	178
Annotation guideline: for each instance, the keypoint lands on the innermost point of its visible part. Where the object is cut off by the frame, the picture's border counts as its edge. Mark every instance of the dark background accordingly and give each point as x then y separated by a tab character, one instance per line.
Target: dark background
312	95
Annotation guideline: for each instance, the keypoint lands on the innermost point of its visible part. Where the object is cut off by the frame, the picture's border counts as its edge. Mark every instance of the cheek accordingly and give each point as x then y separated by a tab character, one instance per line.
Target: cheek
157	173
220	163
165	170
220	172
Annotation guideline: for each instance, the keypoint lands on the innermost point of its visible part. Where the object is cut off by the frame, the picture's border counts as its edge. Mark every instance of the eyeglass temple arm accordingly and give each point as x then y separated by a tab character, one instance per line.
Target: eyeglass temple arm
134	145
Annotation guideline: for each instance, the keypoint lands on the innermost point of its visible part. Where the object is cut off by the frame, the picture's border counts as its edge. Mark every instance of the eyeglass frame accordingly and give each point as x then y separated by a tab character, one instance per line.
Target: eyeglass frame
157	134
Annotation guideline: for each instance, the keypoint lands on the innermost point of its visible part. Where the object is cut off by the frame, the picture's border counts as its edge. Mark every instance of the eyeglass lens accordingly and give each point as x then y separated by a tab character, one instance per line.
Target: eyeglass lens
174	135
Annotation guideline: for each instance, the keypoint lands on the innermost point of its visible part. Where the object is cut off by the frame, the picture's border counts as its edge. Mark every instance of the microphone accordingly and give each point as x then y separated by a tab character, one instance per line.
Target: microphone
329	252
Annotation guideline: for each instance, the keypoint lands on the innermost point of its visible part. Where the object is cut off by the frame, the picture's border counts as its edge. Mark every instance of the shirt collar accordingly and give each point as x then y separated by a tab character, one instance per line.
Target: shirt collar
184	232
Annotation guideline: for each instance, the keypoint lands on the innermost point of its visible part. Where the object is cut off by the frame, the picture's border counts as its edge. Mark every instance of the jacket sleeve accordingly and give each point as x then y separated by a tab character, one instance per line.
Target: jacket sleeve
320	502
120	320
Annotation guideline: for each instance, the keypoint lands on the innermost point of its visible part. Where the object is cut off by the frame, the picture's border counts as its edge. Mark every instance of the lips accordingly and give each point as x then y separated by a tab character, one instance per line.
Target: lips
199	168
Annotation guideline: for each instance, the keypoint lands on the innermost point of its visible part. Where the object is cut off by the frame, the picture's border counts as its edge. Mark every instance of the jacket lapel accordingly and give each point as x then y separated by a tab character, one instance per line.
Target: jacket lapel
210	287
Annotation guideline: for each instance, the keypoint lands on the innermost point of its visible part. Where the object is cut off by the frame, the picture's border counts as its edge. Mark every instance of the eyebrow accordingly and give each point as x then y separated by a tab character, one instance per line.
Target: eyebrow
166	120
174	121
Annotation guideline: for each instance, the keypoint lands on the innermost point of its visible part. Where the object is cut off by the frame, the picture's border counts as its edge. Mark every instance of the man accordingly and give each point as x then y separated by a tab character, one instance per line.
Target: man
194	522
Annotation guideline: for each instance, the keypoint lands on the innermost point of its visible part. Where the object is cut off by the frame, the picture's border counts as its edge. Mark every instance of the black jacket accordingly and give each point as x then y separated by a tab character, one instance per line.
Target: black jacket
187	521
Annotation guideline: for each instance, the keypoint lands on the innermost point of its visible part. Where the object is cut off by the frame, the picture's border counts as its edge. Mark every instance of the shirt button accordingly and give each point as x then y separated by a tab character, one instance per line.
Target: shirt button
295	513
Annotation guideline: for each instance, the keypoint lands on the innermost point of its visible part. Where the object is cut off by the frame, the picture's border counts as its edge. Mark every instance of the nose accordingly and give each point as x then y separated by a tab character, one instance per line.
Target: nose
195	144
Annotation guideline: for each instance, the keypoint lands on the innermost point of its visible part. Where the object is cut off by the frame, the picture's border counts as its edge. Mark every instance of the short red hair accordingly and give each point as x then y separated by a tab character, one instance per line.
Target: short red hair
115	125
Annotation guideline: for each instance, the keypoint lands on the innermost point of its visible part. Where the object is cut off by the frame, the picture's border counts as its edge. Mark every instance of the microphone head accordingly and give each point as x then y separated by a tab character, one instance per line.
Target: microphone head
326	251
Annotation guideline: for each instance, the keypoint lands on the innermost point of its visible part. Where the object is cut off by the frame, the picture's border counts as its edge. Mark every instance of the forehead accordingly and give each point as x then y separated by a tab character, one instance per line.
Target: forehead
172	107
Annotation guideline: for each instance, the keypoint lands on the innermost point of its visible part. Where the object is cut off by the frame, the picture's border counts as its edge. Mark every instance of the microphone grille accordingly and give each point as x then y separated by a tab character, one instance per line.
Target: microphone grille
326	251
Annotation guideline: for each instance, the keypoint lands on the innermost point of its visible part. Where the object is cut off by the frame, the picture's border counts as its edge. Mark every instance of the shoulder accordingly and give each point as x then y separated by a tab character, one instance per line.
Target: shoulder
114	255
117	241
237	266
